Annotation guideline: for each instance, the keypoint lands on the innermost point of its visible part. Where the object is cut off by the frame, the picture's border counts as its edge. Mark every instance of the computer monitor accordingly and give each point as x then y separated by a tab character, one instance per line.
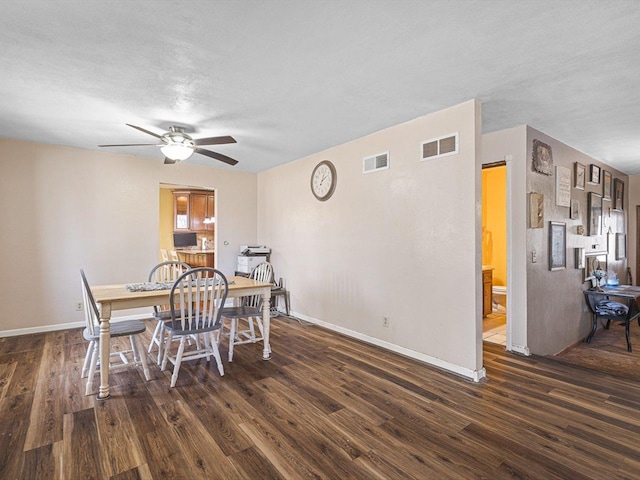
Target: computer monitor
185	240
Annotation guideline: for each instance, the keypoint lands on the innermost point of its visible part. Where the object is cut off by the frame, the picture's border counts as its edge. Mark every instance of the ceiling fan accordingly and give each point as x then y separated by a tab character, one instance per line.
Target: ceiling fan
176	145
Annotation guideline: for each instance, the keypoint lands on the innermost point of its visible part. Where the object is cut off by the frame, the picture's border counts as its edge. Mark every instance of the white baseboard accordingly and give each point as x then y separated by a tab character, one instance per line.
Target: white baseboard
475	375
522	349
64	326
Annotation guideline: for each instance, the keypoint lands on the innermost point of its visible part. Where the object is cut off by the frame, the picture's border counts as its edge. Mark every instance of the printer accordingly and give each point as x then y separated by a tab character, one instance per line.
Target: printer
254	250
251	256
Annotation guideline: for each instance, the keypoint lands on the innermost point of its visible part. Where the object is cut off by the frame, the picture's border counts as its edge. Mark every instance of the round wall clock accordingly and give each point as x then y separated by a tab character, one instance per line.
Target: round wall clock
323	180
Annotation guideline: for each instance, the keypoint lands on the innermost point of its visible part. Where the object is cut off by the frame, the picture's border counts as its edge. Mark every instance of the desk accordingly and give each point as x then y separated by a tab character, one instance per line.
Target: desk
117	297
627	294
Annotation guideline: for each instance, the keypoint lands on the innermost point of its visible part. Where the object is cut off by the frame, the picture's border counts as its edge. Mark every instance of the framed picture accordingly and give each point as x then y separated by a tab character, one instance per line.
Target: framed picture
594	174
579	257
595	214
542	161
606	185
594	261
536	210
580	175
557	246
563	186
574	213
618	194
621	246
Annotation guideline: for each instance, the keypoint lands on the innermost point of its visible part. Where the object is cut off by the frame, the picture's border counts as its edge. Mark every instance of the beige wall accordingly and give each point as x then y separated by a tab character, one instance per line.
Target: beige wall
402	243
63	209
557	313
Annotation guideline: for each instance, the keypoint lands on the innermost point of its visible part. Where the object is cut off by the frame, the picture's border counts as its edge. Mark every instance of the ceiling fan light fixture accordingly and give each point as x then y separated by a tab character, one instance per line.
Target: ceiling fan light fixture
177	151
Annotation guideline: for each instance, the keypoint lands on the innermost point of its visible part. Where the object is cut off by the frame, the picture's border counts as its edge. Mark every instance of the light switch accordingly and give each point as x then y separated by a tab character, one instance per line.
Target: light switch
534	256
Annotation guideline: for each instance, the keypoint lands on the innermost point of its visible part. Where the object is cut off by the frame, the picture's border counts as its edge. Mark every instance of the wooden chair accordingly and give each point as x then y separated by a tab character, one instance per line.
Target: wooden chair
163	272
250	307
196	301
91	333
174	256
164	255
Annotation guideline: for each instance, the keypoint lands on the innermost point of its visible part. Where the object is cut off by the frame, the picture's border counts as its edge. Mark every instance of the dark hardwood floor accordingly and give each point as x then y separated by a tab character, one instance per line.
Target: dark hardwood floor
325	407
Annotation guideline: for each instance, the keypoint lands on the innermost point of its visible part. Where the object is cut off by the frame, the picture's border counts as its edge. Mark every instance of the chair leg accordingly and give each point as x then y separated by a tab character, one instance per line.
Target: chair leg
626	332
232	338
259	322
92	367
252	332
87	359
216	354
167	348
176	367
139	356
160	340
155	339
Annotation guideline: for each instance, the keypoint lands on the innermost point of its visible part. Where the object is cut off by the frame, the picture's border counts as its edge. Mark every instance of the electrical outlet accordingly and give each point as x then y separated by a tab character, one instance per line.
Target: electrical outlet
534	256
385	322
79	306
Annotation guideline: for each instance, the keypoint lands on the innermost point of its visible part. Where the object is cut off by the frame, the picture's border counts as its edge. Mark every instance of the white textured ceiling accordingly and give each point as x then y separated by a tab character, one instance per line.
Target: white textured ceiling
290	78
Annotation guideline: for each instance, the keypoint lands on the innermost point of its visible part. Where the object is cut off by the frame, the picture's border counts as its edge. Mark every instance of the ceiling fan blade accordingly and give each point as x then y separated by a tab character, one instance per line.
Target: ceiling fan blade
145	131
217	156
133	145
168	161
214	140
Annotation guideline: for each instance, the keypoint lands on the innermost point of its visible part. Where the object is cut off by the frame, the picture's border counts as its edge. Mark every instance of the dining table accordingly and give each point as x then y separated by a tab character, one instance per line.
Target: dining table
117	297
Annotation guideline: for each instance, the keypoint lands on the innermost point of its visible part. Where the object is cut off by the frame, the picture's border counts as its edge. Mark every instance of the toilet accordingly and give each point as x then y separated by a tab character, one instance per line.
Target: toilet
499	299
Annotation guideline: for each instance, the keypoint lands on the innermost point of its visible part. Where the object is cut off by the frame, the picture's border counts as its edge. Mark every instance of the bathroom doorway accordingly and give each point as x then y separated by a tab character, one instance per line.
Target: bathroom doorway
494	252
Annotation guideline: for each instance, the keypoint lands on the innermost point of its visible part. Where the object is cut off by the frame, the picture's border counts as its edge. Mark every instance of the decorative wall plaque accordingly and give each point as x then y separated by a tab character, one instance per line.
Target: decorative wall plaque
542	161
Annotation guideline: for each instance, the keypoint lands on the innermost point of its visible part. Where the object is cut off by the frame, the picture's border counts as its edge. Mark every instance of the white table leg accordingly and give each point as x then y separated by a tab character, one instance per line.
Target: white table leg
105	348
266	324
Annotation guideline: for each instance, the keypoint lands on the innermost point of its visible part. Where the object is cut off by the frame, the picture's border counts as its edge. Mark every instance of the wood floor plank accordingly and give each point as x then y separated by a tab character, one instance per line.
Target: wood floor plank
82	449
325	407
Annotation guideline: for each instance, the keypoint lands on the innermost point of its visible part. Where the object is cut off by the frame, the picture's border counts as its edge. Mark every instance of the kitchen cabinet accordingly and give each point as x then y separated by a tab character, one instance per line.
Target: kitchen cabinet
180	211
191	208
197	258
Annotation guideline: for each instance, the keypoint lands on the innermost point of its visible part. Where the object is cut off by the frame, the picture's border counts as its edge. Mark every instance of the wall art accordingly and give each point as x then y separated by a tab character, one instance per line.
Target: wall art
618	195
542	161
594	261
594	174
563	186
536	210
574	213
606	185
595	214
557	246
579	257
621	246
580	175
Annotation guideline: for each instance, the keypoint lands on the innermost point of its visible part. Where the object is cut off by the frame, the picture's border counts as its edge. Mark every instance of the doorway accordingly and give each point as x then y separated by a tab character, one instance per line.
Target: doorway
494	252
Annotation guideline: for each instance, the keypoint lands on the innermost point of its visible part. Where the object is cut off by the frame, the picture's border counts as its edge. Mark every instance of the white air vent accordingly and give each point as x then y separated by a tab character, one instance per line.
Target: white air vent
440	147
375	162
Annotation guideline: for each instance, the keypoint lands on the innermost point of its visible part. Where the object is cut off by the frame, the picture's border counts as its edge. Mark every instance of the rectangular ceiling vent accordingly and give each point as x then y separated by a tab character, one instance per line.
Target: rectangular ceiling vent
440	147
375	163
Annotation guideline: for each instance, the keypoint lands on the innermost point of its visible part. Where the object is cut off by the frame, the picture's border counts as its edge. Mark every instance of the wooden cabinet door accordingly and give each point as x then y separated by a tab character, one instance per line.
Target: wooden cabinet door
180	211
211	211
197	212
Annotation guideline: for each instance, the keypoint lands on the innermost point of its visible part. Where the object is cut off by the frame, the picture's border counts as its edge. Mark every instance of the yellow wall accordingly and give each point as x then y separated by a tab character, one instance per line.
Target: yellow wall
494	222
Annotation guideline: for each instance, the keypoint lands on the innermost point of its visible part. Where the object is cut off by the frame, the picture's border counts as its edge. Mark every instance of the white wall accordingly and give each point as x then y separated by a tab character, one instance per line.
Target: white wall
63	209
401	243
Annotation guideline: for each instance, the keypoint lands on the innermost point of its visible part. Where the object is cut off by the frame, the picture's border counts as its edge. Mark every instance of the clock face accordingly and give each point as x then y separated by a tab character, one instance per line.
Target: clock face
323	180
